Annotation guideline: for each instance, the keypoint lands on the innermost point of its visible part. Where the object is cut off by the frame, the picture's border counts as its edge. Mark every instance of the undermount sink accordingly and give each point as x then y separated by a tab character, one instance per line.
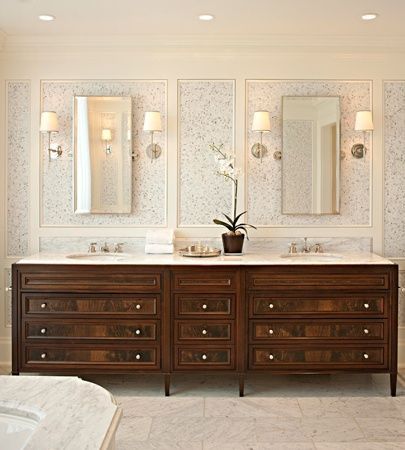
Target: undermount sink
313	256
98	256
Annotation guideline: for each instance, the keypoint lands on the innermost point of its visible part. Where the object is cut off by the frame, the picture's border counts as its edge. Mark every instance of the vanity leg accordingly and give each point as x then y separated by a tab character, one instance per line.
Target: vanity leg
393	382
167	385
241	385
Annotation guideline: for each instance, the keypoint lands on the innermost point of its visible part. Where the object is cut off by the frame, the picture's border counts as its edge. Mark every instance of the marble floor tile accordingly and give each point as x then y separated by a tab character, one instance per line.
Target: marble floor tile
359	446
252	407
133	429
383	429
276	430
207	429
262	446
366	407
159	445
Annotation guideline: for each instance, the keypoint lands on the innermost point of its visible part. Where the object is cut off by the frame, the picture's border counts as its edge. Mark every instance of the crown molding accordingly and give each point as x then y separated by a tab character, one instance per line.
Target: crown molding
236	43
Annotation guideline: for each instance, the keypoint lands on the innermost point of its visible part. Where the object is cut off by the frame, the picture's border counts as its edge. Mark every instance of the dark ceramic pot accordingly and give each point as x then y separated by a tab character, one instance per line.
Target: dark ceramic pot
233	243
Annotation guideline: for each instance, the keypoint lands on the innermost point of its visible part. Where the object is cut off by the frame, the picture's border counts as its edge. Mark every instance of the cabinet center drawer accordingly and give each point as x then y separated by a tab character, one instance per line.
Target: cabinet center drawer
199	305
210	281
187	331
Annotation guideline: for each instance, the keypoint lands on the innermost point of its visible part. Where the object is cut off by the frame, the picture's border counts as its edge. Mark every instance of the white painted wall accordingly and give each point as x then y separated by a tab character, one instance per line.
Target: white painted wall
62	61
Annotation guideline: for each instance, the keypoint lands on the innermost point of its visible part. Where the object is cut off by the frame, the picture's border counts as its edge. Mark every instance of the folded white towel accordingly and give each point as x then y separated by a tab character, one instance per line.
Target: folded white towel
159	248
165	236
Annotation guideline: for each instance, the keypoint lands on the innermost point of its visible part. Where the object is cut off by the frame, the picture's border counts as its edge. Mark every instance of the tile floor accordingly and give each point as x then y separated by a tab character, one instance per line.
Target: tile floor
322	412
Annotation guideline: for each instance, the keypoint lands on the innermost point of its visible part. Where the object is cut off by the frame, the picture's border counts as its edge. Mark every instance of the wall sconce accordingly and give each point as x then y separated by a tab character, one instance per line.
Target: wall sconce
261	123
364	122
153	123
49	124
107	138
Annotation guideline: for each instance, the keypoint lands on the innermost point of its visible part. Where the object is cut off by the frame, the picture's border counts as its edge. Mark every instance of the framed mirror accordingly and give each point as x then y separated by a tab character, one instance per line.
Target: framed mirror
102	145
311	155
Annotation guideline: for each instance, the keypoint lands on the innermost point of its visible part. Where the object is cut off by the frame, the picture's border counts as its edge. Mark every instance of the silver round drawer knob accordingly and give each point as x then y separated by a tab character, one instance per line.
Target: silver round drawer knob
138	306
204	306
204	332
271	306
365	331
138	356
366	305
43	330
43	305
271	356
204	357
138	331
271	331
43	355
365	355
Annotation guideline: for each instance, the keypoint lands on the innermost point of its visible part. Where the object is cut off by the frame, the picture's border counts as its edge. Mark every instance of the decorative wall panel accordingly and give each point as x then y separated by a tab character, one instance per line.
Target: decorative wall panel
394	168
18	154
206	115
149	178
264	180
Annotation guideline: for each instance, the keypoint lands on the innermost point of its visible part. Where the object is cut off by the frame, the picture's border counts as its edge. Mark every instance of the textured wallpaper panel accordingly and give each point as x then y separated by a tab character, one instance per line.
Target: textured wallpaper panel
264	180
149	179
206	115
18	155
394	169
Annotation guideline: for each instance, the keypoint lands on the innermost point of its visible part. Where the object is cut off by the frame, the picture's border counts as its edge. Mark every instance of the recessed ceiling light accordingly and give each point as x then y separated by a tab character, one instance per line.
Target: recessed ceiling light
206	17
46	17
369	16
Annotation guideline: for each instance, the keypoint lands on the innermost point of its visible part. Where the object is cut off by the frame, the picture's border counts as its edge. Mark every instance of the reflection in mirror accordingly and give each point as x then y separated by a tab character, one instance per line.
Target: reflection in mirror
311	155
102	155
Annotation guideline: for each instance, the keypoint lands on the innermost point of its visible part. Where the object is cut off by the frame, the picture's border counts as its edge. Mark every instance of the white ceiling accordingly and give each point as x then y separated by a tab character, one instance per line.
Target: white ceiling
179	17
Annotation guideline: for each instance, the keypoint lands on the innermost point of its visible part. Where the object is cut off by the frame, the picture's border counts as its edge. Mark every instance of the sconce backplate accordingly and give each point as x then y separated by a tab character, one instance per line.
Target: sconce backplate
259	150
153	151
358	151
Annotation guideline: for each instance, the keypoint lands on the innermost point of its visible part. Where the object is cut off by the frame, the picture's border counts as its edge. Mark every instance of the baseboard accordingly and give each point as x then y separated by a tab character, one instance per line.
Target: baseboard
5	351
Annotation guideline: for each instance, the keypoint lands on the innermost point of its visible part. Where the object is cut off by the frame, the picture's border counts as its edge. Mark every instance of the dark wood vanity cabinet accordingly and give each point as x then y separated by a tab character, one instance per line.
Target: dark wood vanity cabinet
78	319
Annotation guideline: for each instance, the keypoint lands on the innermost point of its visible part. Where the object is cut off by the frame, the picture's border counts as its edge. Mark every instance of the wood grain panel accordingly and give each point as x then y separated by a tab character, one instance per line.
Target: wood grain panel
204	331
204	305
200	358
207	280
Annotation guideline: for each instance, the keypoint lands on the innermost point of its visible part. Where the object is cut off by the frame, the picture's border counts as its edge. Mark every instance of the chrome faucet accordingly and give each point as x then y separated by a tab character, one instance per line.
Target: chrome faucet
306	248
118	247
316	248
105	248
92	247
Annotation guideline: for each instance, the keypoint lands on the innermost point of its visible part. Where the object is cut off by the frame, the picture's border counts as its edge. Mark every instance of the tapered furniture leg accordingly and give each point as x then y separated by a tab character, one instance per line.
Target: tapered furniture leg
167	385
393	381
241	385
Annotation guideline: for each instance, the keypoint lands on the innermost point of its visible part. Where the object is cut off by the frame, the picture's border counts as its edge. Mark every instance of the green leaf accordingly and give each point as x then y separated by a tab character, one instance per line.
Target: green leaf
229	219
238	217
224	224
247	225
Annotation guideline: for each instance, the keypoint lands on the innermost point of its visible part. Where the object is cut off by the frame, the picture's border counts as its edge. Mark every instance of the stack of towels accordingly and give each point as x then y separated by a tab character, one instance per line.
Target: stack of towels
159	241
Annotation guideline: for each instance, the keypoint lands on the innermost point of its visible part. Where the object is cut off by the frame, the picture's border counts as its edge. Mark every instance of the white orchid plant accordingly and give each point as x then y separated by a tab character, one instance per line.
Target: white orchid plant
227	169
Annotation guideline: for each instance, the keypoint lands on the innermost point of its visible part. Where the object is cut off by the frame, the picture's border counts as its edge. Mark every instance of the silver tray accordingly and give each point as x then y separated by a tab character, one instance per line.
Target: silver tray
199	251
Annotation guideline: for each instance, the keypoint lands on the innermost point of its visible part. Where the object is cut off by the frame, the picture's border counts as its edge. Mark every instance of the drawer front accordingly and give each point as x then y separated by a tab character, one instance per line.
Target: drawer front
318	357
319	330
204	358
308	277
87	280
204	281
204	305
128	330
86	357
202	331
349	305
111	305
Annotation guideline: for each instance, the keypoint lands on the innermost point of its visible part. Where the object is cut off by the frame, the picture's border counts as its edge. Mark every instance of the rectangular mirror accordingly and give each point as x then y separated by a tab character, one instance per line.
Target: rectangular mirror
102	155
311	155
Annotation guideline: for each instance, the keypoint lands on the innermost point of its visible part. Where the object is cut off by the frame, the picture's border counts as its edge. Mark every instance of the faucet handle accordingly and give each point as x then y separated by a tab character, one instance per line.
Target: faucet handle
318	248
118	247
292	248
92	247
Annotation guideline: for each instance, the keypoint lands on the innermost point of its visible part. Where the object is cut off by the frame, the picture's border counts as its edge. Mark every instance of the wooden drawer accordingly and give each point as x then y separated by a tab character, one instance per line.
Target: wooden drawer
80	330
84	357
203	331
206	280
91	304
367	305
319	330
210	305
319	277
89	279
314	358
200	358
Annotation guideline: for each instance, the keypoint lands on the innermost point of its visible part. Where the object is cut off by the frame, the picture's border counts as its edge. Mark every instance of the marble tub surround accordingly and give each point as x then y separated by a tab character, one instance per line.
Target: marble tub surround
72	413
264	180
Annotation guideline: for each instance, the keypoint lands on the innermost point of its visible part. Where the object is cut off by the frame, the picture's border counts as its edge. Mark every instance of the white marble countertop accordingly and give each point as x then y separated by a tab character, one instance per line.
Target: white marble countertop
72	413
248	259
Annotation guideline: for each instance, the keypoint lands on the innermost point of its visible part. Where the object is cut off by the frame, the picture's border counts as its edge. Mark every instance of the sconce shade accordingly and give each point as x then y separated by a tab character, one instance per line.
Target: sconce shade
153	121
106	134
49	122
364	121
261	121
